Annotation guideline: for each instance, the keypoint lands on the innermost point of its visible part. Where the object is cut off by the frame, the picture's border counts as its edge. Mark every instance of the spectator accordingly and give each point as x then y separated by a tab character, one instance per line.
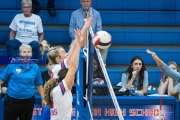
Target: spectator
25	28
46	74
22	76
98	77
50	7
170	86
77	21
136	75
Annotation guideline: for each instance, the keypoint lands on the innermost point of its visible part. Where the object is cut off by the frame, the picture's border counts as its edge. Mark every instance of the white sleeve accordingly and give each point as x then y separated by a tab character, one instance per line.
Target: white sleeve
57	67
64	64
65	85
13	24
55	70
40	26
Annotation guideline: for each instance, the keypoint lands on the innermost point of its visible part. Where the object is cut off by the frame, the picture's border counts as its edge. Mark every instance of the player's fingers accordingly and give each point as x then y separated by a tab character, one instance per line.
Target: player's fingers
149	52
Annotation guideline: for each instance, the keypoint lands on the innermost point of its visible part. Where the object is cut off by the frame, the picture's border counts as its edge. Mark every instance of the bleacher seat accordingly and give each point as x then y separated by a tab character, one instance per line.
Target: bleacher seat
104	4
108	17
124	56
131	23
119	36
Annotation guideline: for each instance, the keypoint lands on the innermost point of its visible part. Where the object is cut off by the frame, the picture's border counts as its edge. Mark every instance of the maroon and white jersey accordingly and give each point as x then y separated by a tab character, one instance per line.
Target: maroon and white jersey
62	102
57	67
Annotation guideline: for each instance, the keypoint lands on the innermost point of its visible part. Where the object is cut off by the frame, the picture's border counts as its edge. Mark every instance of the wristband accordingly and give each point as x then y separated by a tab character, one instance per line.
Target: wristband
42	98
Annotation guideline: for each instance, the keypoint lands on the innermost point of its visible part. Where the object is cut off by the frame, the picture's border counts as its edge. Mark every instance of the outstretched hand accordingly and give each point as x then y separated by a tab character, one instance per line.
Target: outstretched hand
155	57
88	22
79	37
152	53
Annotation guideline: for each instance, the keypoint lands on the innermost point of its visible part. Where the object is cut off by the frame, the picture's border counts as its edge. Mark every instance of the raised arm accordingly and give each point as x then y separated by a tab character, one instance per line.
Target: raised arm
170	72
86	26
73	61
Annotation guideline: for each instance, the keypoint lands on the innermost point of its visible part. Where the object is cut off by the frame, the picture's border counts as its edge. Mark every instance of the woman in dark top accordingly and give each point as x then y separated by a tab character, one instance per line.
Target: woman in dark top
47	74
98	77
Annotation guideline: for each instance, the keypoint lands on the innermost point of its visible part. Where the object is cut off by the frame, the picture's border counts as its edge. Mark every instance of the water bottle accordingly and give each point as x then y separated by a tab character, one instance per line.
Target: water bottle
132	90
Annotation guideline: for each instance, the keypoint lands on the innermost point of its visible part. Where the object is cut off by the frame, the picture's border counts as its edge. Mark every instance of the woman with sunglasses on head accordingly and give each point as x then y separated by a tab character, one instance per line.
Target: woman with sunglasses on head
169	86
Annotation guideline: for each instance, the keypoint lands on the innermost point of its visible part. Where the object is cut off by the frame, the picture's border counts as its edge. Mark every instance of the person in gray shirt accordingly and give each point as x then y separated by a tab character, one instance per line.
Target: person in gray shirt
168	85
136	75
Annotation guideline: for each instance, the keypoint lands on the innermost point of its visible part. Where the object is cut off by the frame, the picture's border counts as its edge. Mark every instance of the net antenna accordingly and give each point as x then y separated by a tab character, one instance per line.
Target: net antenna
160	106
117	107
87	51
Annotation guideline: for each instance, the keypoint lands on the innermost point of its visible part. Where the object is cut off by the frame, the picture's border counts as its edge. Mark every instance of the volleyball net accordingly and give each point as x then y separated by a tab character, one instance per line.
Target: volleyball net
101	100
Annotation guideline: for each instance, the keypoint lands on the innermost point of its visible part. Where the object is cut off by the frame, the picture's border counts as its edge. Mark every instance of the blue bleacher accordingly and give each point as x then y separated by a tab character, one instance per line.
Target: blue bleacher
150	22
104	4
124	56
108	17
119	36
119	12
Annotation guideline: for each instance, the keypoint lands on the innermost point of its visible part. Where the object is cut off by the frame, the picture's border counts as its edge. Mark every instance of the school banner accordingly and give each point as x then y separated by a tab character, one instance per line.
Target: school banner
135	112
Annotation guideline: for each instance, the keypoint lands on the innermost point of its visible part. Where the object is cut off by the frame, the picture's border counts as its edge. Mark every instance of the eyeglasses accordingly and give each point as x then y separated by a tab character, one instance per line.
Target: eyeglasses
24	7
85	1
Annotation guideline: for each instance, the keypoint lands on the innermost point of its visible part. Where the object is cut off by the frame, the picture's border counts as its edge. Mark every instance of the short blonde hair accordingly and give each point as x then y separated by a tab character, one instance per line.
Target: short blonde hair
26	2
25	46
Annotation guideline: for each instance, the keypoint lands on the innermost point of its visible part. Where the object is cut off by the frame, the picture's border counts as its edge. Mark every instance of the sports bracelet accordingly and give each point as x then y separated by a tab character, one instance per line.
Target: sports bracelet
42	98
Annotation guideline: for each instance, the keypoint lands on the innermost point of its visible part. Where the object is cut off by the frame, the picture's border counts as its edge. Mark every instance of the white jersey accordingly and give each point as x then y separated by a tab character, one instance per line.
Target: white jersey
27	28
57	67
62	102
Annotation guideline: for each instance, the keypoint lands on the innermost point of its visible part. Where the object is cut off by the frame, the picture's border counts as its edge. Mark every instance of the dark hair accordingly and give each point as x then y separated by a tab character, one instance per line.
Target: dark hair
99	73
50	84
62	74
141	72
47	61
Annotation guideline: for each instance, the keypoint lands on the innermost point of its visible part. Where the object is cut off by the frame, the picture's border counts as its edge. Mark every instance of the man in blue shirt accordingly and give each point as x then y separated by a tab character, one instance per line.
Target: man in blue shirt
77	22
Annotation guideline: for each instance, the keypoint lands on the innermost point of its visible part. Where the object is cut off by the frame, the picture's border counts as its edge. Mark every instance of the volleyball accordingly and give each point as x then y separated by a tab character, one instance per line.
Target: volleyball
102	40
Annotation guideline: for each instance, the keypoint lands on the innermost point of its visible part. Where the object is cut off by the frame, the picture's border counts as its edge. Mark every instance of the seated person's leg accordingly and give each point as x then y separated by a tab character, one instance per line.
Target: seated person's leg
50	8
35	49
35	6
12	45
